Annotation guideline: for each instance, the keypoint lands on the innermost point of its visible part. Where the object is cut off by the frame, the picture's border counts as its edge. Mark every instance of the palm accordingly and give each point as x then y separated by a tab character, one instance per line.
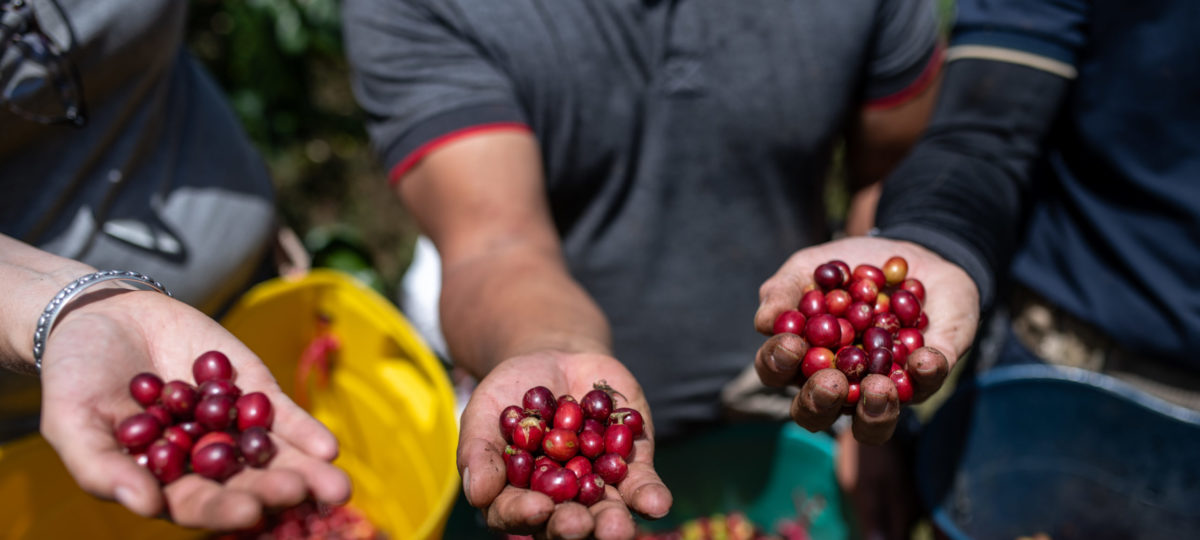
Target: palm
951	303
524	511
90	358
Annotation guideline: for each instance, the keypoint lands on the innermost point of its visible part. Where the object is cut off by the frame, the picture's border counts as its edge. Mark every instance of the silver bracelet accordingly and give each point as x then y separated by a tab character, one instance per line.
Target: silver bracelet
73	289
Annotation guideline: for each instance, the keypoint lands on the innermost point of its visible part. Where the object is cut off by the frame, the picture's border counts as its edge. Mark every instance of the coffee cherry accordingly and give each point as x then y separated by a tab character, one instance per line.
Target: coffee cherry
860	316
560	484
848	333
568	416
837	301
629	417
591	443
219	387
828	276
256	447
509	418
887	321
529	433
597	405
160	413
540	400
254	409
560	444
911	338
178	437
580	465
518	466
591	489
790	321
618	439
137	432
915	287
895	270
876	338
873	273
813	303
816	359
216	413
904	387
145	388
906	307
879	361
166	461
823	331
852	361
864	290
212	365
180	399
611	467
216	461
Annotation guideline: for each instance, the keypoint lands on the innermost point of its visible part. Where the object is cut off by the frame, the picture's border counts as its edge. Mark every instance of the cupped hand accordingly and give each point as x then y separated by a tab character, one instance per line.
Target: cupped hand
523	511
951	303
105	339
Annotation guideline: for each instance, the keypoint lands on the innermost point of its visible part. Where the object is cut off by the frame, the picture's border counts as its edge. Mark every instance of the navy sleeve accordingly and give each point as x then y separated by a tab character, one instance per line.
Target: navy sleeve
419	78
961	192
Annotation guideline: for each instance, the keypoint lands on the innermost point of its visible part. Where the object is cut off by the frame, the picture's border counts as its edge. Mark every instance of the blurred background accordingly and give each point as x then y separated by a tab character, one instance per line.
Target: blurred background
282	65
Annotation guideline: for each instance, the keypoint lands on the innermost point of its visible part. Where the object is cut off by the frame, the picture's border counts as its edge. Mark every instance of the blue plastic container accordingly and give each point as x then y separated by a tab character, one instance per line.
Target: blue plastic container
1070	453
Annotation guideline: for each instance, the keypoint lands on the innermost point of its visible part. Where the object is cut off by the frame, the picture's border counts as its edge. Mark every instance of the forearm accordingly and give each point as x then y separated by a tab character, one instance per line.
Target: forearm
517	300
31	277
960	192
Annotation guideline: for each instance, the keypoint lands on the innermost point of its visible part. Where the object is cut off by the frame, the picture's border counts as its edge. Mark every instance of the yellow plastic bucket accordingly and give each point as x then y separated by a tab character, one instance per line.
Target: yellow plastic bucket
386	397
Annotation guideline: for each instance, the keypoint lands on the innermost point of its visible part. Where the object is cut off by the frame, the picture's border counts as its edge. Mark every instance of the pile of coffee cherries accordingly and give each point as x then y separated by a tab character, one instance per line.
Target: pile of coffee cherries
861	321
310	520
209	428
566	448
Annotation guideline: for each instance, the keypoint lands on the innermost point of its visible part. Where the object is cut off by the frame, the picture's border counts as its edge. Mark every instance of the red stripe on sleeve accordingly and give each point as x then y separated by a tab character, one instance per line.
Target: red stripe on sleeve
415	156
928	74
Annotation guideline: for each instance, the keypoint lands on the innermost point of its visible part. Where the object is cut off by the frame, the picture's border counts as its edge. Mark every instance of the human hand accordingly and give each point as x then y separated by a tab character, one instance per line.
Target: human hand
104	339
523	511
951	303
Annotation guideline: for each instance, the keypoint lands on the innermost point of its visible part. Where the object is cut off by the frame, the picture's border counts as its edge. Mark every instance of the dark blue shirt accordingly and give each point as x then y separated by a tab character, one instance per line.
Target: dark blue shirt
1114	230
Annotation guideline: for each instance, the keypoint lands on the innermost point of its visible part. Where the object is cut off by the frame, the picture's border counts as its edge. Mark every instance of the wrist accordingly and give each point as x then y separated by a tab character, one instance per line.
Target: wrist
32	288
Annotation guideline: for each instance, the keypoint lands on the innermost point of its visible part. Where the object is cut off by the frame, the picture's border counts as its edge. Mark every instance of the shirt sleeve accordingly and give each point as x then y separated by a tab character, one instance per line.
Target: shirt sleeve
1041	34
905	54
961	191
421	81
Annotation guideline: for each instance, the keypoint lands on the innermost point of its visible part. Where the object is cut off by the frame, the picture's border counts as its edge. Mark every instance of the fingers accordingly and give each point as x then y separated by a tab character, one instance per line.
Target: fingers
291	476
612	516
927	368
878	410
819	402
644	491
523	511
778	294
778	360
294	425
198	502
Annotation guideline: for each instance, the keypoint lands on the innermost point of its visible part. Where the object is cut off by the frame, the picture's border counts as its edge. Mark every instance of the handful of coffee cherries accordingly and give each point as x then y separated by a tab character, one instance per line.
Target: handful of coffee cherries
860	321
569	448
210	428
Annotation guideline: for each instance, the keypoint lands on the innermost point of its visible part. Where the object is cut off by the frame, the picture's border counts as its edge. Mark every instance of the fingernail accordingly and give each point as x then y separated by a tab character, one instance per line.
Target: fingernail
466	481
784	360
874	404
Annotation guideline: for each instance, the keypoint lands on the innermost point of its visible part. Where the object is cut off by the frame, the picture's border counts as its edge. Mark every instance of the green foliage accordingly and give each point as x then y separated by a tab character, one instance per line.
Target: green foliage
282	66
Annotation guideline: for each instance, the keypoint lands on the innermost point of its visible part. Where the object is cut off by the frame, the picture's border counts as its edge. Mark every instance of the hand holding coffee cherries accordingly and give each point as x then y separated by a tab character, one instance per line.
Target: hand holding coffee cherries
923	336
505	422
94	353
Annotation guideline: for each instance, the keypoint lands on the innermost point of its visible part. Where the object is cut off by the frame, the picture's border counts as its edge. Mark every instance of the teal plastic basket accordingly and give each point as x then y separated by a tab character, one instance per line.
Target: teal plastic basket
767	471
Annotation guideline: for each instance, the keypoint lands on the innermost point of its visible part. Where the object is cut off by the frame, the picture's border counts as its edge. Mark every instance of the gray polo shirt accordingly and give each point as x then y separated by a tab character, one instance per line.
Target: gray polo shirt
162	179
685	143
